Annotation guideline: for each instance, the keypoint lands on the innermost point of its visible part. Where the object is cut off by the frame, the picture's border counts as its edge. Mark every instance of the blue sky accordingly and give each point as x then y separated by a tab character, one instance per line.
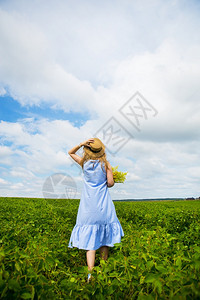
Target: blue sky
12	111
72	70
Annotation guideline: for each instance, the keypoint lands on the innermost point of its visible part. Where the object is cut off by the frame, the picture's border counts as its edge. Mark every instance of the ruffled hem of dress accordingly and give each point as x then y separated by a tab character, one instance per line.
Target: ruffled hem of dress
92	237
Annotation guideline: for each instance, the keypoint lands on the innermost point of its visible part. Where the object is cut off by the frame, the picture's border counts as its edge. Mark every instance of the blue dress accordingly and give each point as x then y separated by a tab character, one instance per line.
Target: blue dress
96	223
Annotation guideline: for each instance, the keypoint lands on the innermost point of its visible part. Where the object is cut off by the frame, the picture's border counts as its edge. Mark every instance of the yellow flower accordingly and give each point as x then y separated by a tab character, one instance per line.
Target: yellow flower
119	177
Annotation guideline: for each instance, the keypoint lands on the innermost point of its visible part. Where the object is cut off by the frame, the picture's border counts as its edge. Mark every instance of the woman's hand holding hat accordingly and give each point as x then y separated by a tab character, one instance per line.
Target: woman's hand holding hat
87	142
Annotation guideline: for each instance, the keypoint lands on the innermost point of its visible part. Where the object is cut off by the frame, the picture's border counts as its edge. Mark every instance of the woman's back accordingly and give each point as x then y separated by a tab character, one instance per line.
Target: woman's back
95	202
94	173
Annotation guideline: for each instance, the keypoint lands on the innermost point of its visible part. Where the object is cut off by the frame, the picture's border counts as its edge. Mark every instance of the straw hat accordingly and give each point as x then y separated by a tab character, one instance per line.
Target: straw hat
96	149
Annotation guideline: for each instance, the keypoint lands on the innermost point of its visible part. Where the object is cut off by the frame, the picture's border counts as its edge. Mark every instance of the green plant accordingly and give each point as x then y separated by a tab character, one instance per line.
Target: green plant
158	257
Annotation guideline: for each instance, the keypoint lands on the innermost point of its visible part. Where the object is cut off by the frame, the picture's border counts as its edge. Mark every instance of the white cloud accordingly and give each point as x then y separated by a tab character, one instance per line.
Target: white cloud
3	182
5	151
2	91
20	172
93	58
153	167
5	155
30	73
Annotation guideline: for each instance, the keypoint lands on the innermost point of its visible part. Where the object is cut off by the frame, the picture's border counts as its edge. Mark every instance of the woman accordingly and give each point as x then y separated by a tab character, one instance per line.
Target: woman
97	225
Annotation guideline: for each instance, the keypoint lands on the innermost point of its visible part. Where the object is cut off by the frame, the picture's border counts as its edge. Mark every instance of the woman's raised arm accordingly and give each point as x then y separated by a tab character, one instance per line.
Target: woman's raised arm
72	151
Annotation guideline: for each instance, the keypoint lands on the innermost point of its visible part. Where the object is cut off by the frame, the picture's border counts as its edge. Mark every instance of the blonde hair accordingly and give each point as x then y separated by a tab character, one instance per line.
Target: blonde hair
87	157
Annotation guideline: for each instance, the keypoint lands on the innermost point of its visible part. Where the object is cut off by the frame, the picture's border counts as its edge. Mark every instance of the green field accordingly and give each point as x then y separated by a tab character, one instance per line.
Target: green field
158	258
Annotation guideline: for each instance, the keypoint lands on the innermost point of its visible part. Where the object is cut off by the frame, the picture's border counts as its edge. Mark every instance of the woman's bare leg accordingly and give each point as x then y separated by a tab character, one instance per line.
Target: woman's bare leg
104	252
90	255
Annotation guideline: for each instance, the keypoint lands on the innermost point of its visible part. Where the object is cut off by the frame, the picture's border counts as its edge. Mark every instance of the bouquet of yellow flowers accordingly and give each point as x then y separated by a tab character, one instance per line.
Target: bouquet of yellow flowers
119	177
